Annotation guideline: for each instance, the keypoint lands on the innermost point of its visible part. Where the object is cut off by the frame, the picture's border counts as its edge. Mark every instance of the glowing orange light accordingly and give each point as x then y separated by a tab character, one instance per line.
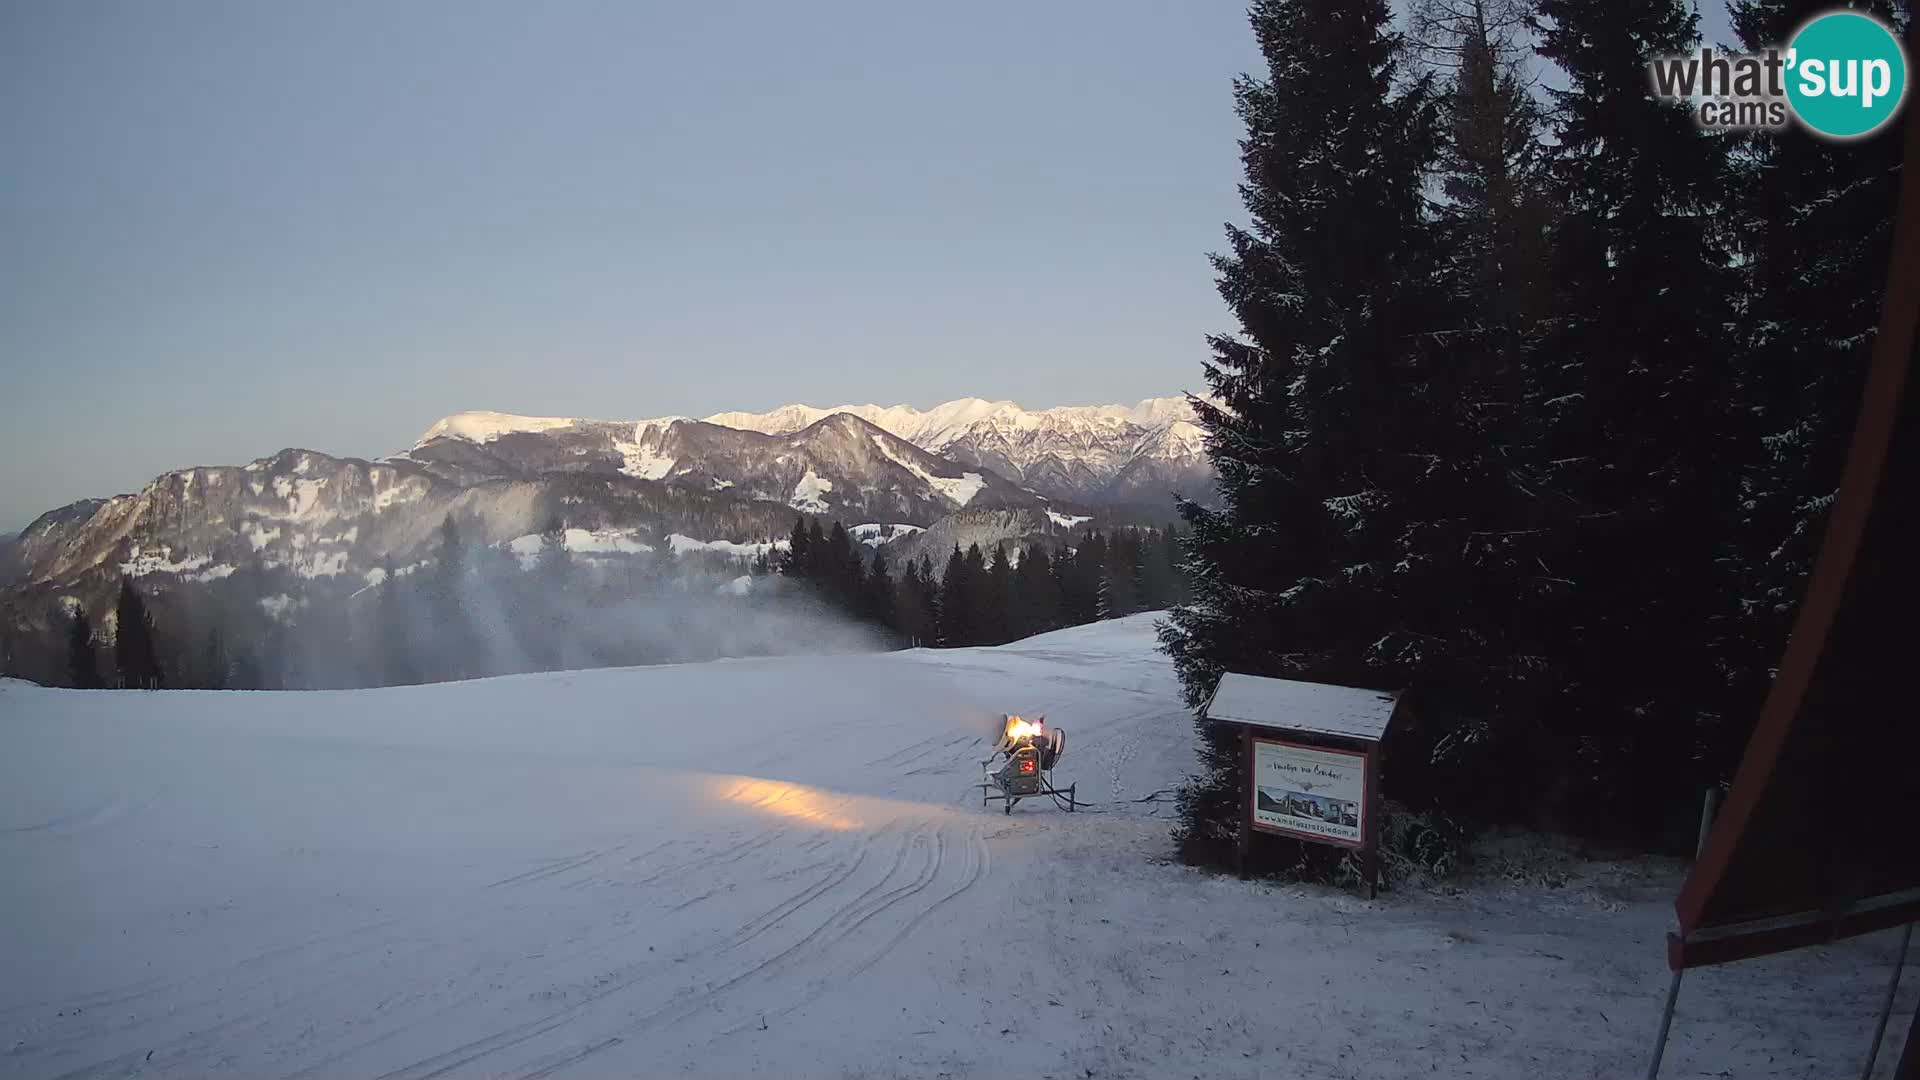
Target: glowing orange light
1020	729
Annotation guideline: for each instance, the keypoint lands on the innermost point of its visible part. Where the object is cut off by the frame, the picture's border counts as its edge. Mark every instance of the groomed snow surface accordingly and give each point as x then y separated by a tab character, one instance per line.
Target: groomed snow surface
779	868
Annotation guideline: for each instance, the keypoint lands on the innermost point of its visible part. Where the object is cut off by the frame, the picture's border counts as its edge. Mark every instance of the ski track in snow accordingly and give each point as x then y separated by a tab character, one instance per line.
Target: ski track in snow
778	867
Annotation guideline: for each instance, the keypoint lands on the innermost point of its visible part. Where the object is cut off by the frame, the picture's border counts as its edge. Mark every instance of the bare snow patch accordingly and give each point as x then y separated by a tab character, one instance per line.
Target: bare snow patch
684	544
332	564
807	493
611	541
1067	521
960	491
580	542
411	489
641	456
140	564
301	495
645	464
482	426
874	533
527	549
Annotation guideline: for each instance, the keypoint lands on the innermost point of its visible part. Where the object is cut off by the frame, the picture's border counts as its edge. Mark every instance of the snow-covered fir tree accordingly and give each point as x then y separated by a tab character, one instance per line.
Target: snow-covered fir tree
1331	291
1638	434
1816	218
135	653
83	658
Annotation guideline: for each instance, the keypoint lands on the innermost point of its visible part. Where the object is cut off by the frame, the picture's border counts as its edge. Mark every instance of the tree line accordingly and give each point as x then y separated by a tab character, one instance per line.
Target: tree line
134	648
1535	407
982	598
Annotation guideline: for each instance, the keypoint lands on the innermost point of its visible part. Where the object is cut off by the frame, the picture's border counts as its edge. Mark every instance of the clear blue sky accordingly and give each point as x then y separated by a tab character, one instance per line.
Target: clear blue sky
232	227
226	228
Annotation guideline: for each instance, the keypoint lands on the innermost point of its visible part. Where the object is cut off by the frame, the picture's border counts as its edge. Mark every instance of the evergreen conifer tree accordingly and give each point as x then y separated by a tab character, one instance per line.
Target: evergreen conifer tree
1818	217
977	584
1495	207
1037	594
1137	576
83	661
397	664
880	597
1439	573
820	561
454	655
555	563
1318	400
1082	578
135	655
1116	576
912	616
931	621
1639	438
956	603
797	559
997	617
842	572
541	621
215	666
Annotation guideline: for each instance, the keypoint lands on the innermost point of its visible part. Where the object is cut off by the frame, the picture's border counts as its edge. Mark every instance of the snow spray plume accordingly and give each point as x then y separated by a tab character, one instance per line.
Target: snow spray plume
495	618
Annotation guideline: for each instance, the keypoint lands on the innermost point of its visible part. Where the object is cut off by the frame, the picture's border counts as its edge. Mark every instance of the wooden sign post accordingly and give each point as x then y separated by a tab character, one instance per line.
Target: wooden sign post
1312	754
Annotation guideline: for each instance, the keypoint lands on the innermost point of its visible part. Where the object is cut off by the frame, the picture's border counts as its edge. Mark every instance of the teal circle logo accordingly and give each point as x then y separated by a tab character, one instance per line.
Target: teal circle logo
1846	74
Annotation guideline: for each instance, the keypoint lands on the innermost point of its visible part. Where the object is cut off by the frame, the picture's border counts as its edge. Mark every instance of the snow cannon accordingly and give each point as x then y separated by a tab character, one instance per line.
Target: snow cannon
1021	766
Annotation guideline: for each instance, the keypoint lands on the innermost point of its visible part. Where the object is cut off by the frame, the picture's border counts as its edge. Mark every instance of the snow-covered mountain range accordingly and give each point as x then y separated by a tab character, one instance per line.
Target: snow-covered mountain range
300	520
1095	454
838	465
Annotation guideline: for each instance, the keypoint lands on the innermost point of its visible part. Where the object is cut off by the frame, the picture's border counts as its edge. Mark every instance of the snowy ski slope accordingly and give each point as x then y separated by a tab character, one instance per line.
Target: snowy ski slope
777	868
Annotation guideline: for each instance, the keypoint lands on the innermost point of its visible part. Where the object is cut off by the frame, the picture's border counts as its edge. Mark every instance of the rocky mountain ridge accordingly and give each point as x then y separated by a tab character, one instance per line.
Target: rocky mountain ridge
301	521
1093	454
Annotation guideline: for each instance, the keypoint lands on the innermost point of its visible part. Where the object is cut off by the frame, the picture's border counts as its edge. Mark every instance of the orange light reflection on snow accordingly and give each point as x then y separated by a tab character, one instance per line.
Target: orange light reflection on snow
804	804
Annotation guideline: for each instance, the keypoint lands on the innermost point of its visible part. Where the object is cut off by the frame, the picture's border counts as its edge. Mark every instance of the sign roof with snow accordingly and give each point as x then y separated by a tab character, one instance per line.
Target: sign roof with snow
1284	704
